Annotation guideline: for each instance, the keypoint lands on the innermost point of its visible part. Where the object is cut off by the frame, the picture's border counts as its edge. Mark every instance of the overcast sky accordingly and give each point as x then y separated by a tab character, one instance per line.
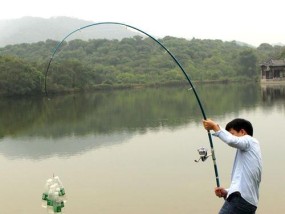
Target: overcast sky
250	21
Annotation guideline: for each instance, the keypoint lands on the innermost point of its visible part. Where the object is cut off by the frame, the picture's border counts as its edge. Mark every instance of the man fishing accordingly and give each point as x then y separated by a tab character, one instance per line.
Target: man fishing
243	194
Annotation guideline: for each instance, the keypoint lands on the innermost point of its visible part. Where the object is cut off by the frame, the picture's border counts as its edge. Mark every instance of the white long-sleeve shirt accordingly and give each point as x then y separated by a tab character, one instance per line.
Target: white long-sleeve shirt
247	168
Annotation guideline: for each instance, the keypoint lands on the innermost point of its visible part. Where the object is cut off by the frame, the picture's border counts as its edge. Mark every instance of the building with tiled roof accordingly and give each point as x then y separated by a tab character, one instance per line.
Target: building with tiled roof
273	70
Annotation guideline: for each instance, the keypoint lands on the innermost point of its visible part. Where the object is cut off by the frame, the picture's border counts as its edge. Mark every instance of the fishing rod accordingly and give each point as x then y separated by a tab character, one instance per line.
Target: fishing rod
202	154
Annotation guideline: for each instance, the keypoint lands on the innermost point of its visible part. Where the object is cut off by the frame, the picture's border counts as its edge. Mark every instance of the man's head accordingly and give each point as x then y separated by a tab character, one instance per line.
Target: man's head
240	127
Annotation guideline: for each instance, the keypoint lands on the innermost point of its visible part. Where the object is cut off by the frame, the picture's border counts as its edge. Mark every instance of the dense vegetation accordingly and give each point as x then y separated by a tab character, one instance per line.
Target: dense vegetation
101	63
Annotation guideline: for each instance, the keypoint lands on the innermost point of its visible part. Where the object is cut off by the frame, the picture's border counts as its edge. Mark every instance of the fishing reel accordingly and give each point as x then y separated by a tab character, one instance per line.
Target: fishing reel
203	152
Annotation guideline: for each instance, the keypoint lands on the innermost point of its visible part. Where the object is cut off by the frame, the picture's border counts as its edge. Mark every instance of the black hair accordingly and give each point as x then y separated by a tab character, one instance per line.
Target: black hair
238	124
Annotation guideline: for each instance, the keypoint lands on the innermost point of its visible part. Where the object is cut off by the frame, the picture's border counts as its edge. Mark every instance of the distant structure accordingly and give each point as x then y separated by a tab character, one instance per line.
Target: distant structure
273	71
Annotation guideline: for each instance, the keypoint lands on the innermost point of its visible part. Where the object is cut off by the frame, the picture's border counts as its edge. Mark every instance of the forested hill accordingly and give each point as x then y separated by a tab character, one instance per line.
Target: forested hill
95	64
33	29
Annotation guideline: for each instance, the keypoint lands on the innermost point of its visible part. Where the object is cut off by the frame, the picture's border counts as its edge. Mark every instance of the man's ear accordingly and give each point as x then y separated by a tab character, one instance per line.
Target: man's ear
243	132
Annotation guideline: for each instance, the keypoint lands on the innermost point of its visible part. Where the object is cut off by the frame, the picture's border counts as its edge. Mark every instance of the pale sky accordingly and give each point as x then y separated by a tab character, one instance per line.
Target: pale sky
250	21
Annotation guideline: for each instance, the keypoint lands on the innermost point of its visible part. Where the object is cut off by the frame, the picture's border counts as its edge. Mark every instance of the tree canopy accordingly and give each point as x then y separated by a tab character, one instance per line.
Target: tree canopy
100	63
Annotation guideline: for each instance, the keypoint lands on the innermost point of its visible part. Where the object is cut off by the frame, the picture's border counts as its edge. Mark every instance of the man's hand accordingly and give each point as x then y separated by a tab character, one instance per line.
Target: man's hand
221	192
211	125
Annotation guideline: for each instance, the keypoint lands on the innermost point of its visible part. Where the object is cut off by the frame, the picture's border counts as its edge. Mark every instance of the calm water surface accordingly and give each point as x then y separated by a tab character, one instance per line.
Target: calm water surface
133	152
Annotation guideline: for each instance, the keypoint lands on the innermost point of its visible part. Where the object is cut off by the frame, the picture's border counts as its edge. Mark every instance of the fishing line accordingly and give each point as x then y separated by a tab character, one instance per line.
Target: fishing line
171	55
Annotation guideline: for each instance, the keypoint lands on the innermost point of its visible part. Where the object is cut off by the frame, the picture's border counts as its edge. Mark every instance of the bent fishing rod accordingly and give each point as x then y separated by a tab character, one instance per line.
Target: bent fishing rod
202	151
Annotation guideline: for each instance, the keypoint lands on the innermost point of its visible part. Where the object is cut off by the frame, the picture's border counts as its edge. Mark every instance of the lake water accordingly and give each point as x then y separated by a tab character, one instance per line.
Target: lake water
133	151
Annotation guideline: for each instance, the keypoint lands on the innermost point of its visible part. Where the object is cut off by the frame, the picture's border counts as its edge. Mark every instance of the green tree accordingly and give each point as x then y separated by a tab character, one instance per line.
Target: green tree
282	55
248	63
18	77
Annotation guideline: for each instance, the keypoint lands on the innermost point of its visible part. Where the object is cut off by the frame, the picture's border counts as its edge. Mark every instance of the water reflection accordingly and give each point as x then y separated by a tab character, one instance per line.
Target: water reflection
273	93
67	125
42	148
